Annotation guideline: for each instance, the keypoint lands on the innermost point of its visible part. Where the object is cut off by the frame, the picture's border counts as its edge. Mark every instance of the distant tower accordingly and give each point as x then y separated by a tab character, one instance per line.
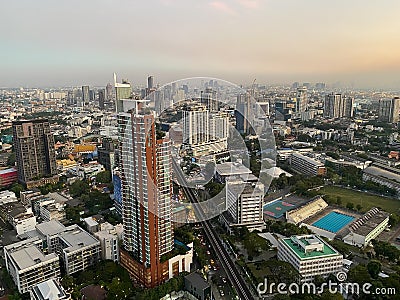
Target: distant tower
302	100
150	82
389	110
338	106
85	95
102	99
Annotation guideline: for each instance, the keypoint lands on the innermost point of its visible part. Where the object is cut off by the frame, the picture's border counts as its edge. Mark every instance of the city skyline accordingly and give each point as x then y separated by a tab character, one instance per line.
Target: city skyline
74	43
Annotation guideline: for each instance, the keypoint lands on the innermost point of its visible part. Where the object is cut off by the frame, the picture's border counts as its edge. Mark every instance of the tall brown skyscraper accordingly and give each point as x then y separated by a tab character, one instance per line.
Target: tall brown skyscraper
34	149
146	198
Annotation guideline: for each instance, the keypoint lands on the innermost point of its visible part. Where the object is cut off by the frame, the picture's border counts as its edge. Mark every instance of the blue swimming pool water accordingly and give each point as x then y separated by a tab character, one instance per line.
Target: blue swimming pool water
333	222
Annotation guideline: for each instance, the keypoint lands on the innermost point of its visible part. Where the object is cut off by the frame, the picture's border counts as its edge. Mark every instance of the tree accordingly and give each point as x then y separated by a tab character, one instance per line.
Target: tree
374	268
103	177
17	189
350	205
78	188
359	207
339	200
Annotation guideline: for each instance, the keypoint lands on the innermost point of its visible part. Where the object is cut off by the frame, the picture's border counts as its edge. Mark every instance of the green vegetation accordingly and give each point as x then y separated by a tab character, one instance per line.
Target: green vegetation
103	177
274	270
286	229
184	234
384	250
174	284
214	188
365	200
108	274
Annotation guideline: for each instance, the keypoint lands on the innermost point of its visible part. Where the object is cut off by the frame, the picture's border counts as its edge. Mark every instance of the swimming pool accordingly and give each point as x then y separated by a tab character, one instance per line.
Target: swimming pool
333	221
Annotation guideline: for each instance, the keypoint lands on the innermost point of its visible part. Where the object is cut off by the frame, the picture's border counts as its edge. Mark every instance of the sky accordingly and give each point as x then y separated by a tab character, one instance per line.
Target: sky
46	43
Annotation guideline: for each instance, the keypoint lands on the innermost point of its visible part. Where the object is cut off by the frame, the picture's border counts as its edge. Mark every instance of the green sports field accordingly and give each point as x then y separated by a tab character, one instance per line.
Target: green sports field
366	200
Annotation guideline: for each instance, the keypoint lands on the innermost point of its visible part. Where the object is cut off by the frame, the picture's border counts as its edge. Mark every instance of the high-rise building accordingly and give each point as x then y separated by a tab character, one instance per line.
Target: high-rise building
34	150
150	82
209	98
85	95
146	198
195	125
102	99
338	106
123	91
389	110
302	100
243	113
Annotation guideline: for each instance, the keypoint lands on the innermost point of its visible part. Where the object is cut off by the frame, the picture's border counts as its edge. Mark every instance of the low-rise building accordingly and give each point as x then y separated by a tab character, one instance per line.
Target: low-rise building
307	210
79	249
310	256
28	265
21	218
49	290
8	177
7	197
196	285
306	165
109	243
367	228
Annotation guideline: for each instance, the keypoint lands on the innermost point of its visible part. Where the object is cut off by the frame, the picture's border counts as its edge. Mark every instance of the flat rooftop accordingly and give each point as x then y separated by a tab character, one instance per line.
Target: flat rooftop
229	168
29	256
308	159
49	290
76	238
50	228
295	248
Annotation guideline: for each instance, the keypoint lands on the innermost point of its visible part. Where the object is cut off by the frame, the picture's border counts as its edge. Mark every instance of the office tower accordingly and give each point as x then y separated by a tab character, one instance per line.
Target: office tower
389	110
102	99
195	125
282	111
320	85
109	92
295	85
302	100
209	98
150	82
85	95
146	198
34	150
243	113
123	91
338	106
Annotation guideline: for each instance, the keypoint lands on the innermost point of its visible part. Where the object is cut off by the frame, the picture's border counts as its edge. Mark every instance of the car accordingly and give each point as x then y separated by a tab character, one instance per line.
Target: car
221	293
223	279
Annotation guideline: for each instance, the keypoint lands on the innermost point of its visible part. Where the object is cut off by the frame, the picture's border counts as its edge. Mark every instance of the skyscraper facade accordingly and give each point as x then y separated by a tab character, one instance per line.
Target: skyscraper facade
123	91
146	198
34	150
389	110
338	106
85	95
102	99
302	100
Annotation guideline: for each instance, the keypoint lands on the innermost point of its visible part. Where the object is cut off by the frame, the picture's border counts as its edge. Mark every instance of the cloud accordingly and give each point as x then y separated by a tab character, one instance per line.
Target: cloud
223	7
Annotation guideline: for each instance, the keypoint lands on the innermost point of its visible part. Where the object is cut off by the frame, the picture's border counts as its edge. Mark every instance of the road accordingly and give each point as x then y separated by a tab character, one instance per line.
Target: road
227	263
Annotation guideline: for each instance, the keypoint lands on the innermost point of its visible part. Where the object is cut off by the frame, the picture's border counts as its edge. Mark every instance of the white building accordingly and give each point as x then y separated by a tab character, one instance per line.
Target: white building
7	197
310	256
28	265
49	290
306	165
244	202
367	228
79	251
109	243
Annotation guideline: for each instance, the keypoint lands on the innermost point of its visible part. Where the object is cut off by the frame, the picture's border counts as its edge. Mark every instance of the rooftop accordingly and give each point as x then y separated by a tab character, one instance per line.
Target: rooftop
298	249
369	221
196	280
76	238
29	256
50	228
383	173
229	168
308	159
49	290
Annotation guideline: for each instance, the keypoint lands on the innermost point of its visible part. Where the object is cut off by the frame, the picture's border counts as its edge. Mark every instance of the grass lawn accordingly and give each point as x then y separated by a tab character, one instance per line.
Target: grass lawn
367	201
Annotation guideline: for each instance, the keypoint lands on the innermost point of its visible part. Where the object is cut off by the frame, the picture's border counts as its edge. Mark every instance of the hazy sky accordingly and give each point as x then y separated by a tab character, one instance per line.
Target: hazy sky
59	42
